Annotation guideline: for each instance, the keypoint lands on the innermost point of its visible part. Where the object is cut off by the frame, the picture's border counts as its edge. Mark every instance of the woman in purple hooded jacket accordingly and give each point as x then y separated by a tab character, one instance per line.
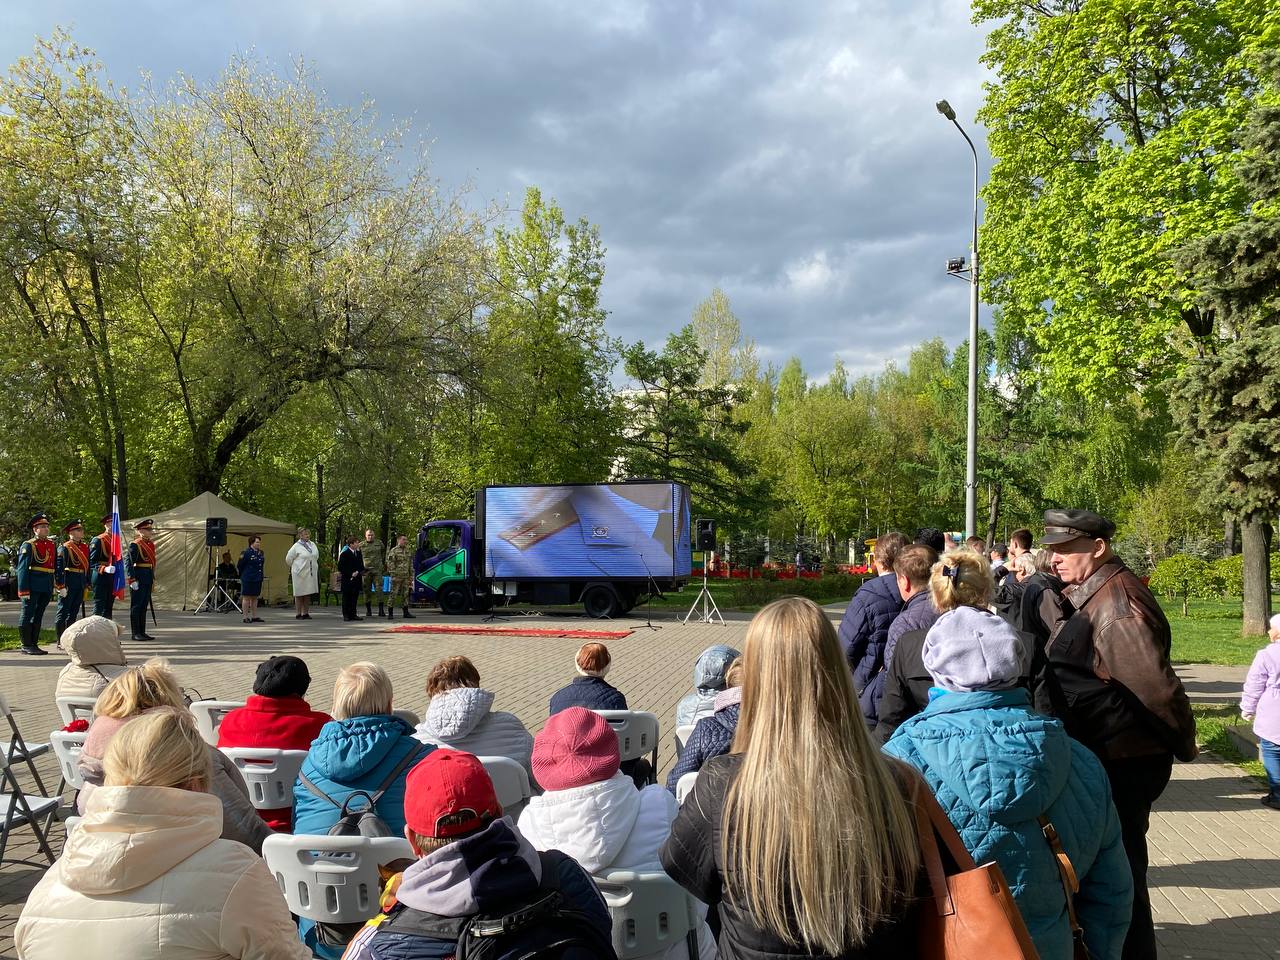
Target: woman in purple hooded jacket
1261	704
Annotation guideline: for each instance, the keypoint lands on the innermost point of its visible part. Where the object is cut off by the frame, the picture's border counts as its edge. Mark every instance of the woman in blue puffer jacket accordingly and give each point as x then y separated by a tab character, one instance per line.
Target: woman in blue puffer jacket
358	750
996	767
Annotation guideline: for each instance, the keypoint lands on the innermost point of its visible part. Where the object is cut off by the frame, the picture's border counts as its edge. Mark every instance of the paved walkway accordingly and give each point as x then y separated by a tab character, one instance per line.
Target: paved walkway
1215	851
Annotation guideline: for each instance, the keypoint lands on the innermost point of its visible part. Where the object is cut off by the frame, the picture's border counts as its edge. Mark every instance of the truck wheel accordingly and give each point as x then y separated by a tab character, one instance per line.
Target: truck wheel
454	599
600	602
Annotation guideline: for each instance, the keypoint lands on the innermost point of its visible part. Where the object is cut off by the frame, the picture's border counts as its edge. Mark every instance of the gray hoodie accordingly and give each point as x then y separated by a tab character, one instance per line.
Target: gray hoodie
708	680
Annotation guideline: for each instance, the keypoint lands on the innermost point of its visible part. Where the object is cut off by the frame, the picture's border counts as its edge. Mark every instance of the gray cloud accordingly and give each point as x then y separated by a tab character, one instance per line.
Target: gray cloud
788	152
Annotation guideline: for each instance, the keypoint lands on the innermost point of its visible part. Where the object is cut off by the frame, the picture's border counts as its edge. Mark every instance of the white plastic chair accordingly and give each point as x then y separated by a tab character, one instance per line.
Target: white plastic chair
637	733
684	786
650	912
683	733
331	879
76	708
67	747
269	774
209	714
510	783
408	716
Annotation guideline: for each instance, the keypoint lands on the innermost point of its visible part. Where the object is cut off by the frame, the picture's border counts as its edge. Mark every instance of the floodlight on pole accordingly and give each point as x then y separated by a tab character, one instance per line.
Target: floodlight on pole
971	445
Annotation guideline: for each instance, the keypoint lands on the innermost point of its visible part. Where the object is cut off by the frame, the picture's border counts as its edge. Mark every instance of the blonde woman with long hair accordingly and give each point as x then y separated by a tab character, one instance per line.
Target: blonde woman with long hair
803	834
144	690
146	876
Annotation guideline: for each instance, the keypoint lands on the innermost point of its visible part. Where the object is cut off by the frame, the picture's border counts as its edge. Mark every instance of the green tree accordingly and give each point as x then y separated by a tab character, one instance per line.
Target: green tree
680	428
1228	398
1113	126
1185	576
548	413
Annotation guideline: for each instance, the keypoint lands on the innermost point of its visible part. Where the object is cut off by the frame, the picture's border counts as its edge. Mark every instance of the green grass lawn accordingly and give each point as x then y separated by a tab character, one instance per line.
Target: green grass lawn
9	637
1210	633
725	593
1211	732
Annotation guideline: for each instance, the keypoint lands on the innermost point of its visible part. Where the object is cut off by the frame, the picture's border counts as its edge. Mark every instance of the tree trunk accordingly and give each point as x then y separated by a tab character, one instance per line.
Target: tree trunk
993	513
1229	537
321	514
1257	576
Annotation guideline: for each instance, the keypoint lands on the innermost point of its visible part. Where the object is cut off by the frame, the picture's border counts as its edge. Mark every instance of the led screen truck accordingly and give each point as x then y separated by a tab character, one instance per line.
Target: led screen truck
604	545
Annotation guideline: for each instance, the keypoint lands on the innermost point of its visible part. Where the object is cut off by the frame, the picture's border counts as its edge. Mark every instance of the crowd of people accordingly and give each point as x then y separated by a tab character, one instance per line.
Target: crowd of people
1028	693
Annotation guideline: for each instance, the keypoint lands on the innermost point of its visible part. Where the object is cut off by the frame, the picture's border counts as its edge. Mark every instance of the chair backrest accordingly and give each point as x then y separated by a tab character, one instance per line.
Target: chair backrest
408	716
331	879
76	708
683	733
684	786
510	783
269	774
650	912
67	747
637	731
209	714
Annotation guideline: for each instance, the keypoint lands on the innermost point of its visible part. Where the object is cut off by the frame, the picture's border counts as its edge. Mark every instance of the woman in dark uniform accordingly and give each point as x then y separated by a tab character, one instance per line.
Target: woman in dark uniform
251	573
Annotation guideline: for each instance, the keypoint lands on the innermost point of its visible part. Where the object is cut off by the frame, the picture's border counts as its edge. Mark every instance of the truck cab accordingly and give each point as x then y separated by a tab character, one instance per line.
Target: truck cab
444	567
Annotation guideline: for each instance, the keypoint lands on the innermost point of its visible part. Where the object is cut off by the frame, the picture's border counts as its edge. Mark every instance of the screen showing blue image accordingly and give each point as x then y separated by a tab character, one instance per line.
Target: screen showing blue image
592	530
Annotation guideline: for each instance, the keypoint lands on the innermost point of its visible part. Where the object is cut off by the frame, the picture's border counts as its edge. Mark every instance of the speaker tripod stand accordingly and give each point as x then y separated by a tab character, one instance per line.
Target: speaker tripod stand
217	600
710	612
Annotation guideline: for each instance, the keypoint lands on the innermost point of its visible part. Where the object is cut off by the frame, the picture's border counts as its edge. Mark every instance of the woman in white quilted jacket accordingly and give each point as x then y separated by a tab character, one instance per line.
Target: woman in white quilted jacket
145	874
460	716
594	813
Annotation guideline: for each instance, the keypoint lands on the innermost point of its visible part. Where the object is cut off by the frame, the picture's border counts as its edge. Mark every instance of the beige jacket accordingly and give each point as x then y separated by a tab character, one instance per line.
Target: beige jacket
96	657
145	877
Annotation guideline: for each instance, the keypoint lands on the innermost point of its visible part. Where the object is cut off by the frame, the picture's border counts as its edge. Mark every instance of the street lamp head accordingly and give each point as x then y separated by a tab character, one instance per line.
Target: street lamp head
944	108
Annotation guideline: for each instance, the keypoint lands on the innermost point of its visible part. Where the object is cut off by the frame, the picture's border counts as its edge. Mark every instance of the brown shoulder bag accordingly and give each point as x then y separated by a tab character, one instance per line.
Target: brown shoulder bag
972	913
1070	886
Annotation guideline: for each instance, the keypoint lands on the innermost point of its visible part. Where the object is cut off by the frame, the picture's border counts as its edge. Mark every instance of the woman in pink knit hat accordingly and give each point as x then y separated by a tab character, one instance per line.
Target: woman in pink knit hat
593	812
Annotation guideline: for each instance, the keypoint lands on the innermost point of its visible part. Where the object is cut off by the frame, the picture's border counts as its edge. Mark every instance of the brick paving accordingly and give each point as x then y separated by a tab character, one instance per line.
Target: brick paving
1215	871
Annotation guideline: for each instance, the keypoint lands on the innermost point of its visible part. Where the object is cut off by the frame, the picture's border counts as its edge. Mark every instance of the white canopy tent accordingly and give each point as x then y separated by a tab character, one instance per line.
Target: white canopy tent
182	559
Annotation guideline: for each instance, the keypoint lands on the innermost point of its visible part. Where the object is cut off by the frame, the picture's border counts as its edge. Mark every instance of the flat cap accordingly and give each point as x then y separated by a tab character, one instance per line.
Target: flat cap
1062	526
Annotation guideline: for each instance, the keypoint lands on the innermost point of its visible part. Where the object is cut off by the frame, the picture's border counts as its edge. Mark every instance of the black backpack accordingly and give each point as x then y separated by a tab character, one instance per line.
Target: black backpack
543	926
364	822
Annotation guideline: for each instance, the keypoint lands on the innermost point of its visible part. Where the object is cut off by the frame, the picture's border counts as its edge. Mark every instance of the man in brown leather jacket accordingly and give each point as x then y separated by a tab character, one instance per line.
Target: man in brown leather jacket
1109	680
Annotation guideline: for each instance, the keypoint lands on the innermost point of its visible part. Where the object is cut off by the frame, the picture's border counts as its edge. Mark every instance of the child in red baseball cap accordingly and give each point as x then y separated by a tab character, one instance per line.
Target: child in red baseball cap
474	865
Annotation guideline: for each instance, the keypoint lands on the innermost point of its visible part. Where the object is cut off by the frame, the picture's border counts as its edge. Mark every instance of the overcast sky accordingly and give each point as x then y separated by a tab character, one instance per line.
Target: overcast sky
787	151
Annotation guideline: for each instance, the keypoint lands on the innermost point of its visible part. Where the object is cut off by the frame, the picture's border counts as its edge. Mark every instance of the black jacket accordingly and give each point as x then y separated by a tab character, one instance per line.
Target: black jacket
593	693
350	562
906	687
691	856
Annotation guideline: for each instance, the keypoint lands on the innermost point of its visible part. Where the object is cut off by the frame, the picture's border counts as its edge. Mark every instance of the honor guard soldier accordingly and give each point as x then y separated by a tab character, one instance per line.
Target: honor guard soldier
400	566
37	562
140	572
71	576
102	571
375	565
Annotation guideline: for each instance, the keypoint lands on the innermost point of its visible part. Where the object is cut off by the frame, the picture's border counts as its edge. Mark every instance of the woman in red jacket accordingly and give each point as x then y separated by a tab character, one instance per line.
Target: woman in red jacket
276	717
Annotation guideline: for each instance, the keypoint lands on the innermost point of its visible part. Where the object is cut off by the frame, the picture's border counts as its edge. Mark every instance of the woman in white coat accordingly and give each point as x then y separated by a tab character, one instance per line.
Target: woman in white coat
303	559
145	875
594	813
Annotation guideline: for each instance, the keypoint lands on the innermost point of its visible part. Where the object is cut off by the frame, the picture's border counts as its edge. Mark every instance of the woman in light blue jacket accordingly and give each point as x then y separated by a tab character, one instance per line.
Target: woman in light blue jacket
996	767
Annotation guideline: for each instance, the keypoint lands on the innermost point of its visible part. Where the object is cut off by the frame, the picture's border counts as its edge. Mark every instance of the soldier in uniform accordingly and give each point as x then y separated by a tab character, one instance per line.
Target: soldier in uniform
37	562
102	571
140	572
400	566
71	576
374	567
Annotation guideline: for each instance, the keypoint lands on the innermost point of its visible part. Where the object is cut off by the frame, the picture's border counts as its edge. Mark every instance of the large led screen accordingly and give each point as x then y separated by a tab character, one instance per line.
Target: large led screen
593	530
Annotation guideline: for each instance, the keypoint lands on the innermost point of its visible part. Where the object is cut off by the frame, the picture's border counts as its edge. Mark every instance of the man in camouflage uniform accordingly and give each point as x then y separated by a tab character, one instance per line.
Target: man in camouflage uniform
375	566
400	566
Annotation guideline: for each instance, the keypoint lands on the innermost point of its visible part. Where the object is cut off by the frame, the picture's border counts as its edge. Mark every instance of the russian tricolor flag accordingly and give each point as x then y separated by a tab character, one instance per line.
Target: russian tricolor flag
117	555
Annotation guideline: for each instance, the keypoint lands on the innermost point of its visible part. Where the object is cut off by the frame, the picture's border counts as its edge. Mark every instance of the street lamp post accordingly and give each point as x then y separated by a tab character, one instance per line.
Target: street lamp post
971	445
